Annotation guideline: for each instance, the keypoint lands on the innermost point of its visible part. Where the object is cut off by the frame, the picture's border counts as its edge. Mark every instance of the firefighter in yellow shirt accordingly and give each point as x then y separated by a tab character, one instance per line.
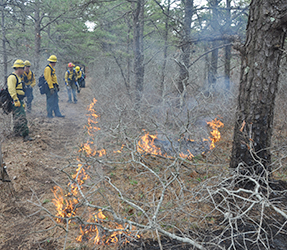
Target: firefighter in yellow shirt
71	82
16	91
52	95
28	78
80	78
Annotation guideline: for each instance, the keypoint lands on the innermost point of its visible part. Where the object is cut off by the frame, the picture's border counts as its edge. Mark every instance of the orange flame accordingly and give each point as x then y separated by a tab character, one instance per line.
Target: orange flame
146	142
65	208
88	147
92	119
146	145
91	232
66	204
215	125
189	157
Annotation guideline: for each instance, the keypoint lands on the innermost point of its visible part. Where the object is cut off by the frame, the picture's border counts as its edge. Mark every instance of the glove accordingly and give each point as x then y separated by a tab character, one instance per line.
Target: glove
57	88
17	103
24	105
52	91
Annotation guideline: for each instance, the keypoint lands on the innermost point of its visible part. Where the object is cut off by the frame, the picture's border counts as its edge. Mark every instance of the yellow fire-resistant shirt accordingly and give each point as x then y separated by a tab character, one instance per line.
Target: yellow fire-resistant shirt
79	74
30	78
50	76
14	89
69	76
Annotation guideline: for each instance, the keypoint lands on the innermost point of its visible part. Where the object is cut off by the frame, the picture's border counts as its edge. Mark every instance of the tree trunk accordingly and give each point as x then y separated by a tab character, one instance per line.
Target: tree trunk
161	88
227	49
258	86
138	49
128	51
37	27
5	57
212	76
185	48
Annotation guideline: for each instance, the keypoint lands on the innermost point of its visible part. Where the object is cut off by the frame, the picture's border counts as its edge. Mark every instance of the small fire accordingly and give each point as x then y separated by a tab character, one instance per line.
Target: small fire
189	157
92	119
215	125
66	205
91	232
146	144
66	208
120	150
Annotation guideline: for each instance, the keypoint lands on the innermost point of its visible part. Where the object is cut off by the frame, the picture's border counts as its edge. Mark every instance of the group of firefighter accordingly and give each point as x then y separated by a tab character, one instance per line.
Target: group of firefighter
20	85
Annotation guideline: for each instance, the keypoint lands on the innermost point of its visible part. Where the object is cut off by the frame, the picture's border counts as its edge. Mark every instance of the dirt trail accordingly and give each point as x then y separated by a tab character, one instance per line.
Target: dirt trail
34	170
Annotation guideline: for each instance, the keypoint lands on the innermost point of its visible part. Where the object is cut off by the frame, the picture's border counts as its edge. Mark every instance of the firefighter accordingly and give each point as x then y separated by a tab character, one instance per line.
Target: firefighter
80	78
71	82
52	94
17	93
28	78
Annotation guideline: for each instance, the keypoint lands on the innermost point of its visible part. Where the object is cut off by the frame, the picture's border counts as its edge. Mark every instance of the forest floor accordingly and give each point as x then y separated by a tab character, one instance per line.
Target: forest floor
34	167
34	170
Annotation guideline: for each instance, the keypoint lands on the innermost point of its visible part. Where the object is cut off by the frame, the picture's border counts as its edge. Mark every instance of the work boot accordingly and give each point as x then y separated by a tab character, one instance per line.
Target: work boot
27	138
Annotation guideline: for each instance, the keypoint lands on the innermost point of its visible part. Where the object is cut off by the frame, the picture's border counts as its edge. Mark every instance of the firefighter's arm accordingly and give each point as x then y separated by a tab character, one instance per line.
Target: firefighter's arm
11	82
33	81
48	77
67	78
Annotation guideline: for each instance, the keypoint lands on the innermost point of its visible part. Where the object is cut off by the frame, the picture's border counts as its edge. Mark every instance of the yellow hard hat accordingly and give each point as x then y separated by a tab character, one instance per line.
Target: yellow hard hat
18	64
77	68
27	63
52	58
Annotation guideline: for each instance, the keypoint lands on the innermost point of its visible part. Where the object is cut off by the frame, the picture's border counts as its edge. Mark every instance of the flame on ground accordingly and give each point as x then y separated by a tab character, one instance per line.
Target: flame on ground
146	142
91	232
66	205
66	208
215	134
146	145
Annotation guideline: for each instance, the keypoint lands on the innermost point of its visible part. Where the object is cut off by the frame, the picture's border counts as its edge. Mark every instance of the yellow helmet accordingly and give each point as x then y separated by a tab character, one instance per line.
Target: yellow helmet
27	63
77	68
52	58
18	64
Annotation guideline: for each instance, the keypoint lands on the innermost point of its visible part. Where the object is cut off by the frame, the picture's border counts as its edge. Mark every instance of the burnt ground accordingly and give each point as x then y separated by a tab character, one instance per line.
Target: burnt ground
34	170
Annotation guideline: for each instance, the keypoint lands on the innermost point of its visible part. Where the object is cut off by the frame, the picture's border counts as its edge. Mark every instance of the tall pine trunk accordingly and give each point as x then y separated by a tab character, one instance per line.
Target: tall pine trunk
258	86
212	76
138	26
185	48
5	57
227	48
37	30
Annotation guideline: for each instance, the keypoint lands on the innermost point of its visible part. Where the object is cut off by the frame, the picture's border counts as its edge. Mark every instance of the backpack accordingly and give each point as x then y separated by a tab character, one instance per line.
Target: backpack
83	74
6	101
42	83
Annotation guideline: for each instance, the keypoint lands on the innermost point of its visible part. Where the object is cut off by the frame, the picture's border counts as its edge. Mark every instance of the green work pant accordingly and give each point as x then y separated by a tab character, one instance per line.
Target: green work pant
20	120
